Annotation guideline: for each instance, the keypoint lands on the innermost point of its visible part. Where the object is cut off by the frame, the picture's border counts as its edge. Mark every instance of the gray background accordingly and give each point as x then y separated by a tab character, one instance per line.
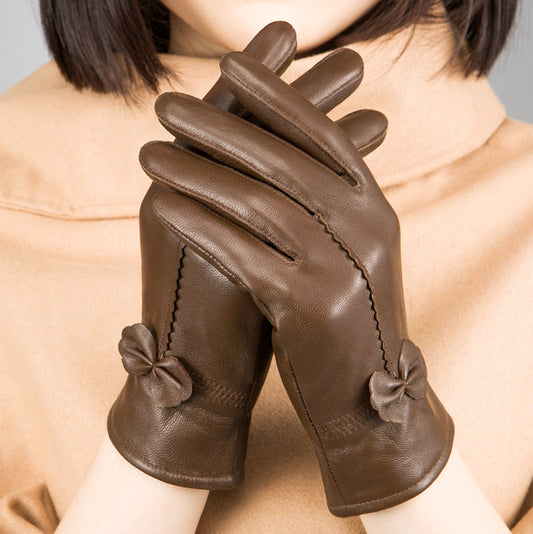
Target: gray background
22	50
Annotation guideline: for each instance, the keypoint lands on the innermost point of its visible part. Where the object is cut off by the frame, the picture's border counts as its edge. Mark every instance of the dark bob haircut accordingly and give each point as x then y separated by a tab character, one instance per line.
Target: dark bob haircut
111	46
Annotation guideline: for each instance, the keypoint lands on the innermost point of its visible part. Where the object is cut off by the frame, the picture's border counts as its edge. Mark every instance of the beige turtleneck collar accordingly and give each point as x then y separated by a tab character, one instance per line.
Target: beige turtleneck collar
73	155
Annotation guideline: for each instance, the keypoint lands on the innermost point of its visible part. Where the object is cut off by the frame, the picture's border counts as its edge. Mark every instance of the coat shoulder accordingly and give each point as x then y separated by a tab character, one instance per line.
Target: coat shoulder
513	139
68	153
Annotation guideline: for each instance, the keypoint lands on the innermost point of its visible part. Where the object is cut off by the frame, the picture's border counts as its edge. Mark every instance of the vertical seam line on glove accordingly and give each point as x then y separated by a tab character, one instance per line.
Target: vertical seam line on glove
219	392
314	428
387	362
169	310
180	256
216	263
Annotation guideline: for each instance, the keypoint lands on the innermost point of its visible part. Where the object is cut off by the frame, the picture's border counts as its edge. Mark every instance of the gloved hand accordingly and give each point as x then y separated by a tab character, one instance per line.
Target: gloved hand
296	218
200	356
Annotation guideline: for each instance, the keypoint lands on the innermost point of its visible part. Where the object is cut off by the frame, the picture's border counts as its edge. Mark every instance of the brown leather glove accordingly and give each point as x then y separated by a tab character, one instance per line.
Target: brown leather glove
200	357
297	219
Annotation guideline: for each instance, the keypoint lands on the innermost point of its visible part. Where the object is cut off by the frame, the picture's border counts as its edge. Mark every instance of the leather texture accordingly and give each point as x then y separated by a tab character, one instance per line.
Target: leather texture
291	213
197	362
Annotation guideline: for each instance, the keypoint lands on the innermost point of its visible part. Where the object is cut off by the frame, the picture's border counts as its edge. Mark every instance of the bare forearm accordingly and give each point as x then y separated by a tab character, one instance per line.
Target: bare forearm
116	497
453	503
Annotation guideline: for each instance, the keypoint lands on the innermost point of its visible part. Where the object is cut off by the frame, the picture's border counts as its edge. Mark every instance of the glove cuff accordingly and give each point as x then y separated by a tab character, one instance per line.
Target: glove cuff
175	445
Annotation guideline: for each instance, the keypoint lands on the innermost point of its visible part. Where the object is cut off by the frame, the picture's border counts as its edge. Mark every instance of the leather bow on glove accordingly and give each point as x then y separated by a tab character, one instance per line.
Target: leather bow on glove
294	217
198	361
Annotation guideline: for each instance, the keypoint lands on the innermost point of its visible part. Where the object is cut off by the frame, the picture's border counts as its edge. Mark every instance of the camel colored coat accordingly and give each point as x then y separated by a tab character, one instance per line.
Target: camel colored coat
456	170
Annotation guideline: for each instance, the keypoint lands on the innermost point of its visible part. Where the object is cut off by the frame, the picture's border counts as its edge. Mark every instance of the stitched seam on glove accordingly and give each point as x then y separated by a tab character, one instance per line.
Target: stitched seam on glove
171	304
345	425
220	393
387	362
314	428
176	298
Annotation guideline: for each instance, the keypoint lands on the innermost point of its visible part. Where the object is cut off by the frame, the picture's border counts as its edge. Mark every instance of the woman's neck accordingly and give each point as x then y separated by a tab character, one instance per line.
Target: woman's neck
186	41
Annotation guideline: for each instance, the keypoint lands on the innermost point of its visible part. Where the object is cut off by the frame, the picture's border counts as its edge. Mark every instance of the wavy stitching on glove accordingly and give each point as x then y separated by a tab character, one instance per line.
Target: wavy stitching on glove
388	364
180	255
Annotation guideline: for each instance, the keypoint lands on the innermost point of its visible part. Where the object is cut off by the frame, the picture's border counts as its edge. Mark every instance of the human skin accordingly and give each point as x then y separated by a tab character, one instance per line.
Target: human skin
210	28
116	497
128	500
453	503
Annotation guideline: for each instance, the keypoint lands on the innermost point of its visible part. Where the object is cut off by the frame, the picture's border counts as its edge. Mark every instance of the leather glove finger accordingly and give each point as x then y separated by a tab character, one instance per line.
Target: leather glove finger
254	205
292	117
325	85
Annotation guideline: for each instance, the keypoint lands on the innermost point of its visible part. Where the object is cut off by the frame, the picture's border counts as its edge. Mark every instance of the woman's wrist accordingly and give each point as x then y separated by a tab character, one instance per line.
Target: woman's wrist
453	503
117	497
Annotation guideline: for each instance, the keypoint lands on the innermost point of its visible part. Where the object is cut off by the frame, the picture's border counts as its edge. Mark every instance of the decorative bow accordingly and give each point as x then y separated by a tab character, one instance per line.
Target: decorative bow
170	382
389	394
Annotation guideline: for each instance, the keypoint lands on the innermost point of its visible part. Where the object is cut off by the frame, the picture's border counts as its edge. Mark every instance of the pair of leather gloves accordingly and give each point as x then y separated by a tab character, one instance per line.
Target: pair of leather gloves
263	228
